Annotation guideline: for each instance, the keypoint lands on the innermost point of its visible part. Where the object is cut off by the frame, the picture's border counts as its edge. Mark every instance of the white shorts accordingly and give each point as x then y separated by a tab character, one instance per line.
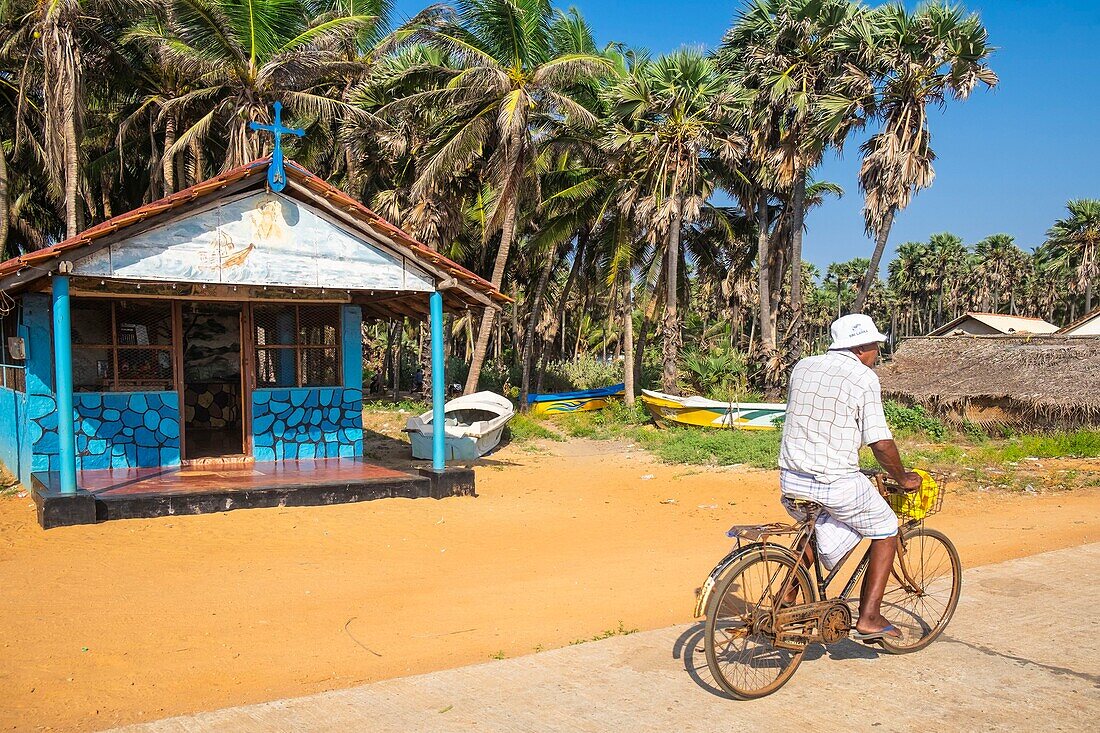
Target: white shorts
854	510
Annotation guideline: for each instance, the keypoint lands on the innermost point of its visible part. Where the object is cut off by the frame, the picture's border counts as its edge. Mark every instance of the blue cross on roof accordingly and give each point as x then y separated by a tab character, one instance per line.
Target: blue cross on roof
276	174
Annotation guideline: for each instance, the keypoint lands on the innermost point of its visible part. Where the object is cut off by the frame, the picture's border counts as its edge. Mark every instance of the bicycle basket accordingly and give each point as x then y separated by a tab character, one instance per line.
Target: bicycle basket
922	503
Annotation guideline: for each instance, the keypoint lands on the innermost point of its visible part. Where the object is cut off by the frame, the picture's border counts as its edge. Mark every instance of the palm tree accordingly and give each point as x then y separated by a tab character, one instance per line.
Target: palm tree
1078	237
922	58
998	265
512	88
672	115
811	90
50	35
236	58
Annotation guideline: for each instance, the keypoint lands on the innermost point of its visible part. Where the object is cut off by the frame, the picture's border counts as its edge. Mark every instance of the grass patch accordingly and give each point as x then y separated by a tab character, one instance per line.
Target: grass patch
524	428
757	448
403	405
617	420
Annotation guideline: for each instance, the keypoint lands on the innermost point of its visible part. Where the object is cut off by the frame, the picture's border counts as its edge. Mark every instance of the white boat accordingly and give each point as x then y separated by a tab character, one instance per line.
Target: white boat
473	425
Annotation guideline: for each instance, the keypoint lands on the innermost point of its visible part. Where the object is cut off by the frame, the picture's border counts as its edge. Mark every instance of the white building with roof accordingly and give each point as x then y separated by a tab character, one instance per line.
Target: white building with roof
994	324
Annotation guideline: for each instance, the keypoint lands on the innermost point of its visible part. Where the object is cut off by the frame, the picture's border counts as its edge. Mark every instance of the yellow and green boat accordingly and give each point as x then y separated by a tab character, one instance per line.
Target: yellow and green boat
701	412
562	402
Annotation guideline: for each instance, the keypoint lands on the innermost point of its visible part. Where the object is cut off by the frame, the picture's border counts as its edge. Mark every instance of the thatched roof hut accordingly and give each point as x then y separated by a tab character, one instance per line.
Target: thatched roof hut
1045	382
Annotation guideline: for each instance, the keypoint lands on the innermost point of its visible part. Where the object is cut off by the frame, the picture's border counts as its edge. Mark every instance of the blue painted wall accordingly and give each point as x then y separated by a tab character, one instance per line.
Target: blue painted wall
307	422
15	448
127	429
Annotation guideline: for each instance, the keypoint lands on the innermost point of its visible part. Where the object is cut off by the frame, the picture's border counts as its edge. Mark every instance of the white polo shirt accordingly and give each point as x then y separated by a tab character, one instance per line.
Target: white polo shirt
834	406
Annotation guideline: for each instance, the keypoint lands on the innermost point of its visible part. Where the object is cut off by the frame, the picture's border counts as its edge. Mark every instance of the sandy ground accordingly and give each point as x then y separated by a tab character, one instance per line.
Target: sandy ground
142	619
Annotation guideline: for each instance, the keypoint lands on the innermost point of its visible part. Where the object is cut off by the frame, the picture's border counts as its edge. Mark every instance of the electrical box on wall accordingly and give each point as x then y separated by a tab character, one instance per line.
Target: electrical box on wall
17	348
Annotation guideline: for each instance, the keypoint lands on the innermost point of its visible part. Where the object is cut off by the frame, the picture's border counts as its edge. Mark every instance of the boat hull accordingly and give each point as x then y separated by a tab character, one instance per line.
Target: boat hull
473	427
455	448
557	404
695	412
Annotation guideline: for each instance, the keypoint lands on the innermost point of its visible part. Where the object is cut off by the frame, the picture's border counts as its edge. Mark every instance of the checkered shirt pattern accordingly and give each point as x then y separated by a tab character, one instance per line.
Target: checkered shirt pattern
834	406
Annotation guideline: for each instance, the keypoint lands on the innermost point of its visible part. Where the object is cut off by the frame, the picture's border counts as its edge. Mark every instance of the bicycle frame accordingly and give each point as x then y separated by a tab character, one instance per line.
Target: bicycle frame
807	538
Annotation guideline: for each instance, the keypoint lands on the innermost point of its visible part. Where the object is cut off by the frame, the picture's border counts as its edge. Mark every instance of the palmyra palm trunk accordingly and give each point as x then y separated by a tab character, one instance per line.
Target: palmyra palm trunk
628	341
881	236
559	313
670	336
532	324
798	216
763	279
484	332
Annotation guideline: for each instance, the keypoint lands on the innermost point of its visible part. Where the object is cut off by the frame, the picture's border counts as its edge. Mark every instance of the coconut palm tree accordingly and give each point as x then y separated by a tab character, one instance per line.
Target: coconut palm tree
922	58
1078	237
236	58
50	34
671	116
512	88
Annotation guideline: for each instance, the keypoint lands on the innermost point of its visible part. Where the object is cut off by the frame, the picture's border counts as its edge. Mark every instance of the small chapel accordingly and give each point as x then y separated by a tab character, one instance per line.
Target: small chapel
204	351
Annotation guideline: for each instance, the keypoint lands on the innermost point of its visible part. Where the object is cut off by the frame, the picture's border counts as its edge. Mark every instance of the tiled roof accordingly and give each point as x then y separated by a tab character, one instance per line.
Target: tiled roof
334	196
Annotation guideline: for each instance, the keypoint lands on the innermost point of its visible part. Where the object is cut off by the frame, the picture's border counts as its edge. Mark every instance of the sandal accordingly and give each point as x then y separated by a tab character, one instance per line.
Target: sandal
875	635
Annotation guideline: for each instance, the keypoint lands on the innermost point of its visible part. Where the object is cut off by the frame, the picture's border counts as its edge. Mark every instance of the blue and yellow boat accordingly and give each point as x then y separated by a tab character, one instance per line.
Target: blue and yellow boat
704	413
561	402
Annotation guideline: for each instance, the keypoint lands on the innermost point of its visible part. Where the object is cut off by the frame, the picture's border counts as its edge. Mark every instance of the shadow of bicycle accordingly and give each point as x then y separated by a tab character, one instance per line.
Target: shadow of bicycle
689	648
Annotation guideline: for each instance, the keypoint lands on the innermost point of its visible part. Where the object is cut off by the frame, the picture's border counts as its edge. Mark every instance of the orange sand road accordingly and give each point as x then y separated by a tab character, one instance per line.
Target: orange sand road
140	619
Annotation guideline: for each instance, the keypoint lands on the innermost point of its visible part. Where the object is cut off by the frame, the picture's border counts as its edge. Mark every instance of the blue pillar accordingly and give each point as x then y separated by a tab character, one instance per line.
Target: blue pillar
438	393
63	376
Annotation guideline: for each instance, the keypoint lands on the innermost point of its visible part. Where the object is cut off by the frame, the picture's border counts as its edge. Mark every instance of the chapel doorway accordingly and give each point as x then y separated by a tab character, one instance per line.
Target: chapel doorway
214	393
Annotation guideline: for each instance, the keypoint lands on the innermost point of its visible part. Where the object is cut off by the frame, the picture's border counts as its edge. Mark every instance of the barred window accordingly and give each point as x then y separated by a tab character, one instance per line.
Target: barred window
122	346
13	373
297	345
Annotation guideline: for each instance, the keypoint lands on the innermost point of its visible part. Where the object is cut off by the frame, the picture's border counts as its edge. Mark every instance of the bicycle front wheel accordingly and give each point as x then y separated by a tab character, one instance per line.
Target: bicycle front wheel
740	645
920	598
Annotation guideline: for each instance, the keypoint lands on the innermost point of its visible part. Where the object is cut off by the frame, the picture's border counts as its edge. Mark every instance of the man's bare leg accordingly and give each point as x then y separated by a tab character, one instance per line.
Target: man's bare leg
874	585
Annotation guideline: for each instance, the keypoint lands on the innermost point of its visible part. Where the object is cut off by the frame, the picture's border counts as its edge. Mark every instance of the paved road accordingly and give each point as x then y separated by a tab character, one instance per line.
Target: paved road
1021	654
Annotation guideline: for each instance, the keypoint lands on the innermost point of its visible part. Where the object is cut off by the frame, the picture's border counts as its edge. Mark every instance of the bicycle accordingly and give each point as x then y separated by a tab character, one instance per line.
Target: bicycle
754	641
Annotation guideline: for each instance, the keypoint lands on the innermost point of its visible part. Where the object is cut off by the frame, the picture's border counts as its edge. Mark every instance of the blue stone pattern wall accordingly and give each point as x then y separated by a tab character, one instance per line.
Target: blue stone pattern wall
113	430
306	423
127	429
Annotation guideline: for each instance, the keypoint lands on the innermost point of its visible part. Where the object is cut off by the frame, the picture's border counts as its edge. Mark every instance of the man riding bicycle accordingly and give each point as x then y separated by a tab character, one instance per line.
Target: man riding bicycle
834	407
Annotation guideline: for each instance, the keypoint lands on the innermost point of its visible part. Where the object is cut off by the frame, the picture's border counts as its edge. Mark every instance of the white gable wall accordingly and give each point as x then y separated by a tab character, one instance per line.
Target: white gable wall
260	239
1088	328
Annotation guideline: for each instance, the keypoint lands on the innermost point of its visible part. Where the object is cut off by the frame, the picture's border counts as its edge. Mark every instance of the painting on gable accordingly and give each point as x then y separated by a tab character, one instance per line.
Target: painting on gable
259	239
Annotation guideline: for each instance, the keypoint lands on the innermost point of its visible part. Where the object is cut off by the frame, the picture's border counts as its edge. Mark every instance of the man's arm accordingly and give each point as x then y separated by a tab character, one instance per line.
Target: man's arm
887	455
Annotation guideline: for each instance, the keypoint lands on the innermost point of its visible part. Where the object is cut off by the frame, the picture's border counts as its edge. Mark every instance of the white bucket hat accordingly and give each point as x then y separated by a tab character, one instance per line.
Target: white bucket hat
854	330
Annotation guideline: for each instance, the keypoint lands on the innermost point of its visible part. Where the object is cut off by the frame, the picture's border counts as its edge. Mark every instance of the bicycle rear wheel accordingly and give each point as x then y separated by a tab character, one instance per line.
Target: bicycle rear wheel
922	611
740	646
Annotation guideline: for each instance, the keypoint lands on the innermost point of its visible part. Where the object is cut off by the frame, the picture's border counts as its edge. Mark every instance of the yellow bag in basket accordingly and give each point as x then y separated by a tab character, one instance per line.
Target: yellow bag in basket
917	504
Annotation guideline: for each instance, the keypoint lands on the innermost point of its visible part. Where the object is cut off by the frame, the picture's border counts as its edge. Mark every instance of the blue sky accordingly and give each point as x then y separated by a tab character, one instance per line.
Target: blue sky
1008	159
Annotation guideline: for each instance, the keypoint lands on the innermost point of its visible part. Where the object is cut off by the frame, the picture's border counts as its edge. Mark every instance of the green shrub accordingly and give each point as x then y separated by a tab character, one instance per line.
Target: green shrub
914	419
584	372
718	374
